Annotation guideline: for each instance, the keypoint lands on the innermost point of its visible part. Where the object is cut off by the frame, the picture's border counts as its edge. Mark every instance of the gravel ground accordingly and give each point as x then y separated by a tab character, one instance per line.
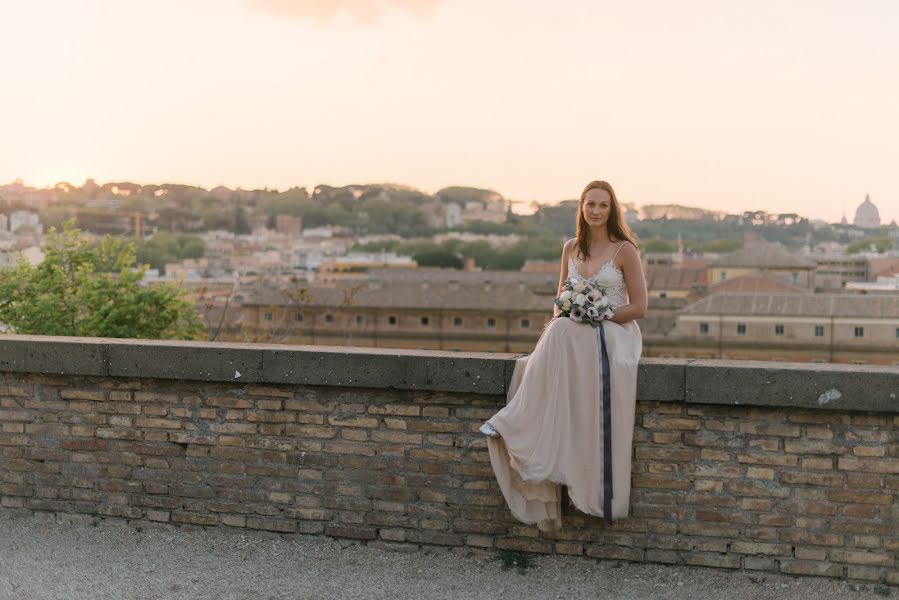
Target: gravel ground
42	559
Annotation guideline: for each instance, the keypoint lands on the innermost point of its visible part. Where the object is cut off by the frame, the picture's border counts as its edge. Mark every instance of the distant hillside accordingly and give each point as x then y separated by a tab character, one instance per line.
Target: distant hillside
679	212
461	195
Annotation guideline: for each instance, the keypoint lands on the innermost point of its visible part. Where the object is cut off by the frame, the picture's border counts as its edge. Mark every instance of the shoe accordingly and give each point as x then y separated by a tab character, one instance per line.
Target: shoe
488	430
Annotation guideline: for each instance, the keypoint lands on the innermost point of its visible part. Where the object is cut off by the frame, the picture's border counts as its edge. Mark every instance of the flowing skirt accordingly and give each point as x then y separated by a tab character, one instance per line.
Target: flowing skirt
552	426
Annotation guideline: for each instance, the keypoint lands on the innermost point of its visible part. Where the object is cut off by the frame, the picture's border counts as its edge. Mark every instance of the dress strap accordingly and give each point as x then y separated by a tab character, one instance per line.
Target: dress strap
620	244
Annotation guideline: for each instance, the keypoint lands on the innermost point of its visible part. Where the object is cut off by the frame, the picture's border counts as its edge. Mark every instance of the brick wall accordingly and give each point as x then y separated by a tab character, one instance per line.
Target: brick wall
787	489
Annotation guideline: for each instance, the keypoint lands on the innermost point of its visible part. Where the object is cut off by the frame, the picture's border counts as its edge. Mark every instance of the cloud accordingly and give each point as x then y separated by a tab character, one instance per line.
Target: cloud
361	11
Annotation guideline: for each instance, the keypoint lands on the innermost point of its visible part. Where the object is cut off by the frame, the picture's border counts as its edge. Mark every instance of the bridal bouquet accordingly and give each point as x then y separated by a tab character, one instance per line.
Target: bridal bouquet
583	303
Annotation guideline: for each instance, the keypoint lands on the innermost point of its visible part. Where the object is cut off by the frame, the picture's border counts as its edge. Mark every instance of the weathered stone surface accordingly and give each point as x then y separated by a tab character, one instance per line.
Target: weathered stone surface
662	379
369	455
53	355
387	368
834	387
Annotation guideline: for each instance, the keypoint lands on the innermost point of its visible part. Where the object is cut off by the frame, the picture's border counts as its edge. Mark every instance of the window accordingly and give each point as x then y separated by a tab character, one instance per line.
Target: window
778	330
360	319
391	320
298	317
794	278
457	321
819	330
663	294
723	275
425	321
859	332
268	316
703	328
897	332
491	323
741	328
525	324
329	318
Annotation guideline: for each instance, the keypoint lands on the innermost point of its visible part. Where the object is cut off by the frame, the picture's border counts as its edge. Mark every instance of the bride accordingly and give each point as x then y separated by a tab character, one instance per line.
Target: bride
570	413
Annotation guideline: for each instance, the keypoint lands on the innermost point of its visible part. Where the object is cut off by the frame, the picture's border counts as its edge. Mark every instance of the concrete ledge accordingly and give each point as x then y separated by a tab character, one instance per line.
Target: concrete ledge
817	386
481	373
806	385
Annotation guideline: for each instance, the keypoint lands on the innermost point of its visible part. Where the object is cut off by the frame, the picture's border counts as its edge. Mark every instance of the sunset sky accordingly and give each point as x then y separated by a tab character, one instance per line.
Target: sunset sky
779	105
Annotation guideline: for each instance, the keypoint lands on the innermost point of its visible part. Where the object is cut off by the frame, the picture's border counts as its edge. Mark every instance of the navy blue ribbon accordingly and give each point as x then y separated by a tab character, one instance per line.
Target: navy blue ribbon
606	424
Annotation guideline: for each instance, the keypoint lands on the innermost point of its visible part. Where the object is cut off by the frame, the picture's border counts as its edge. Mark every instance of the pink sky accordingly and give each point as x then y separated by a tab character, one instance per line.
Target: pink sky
776	105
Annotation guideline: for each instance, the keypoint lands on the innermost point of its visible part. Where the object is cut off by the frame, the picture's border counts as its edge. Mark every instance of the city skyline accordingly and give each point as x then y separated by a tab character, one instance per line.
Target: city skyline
783	108
517	206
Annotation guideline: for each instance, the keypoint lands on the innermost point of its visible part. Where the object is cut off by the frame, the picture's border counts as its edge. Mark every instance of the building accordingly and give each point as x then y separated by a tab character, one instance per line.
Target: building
355	265
431	309
883	284
834	271
866	215
768	257
25	219
289	225
757	282
675	282
844	328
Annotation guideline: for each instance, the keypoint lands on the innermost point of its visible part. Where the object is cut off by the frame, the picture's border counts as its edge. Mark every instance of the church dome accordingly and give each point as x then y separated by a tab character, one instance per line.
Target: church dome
867	215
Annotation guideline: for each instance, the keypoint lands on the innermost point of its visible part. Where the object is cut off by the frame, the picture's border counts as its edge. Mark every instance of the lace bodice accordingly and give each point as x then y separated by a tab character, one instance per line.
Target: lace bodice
608	278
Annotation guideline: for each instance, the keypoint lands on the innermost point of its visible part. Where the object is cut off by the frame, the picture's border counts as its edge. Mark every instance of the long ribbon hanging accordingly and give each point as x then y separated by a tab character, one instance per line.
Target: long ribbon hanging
606	425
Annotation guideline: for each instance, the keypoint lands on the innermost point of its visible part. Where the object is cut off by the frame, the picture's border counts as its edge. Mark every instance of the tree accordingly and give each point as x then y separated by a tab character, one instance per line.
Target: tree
82	289
240	224
871	244
659	245
165	247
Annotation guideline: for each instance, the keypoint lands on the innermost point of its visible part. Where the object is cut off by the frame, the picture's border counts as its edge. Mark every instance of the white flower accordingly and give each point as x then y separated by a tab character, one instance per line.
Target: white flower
608	314
566	305
565	295
593	296
579	288
580	299
603	302
593	312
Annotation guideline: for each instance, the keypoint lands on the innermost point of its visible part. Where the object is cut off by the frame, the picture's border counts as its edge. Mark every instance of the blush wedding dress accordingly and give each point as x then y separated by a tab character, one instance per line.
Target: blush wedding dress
564	422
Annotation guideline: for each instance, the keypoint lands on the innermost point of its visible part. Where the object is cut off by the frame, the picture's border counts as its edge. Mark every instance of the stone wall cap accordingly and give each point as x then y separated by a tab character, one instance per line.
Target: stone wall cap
728	382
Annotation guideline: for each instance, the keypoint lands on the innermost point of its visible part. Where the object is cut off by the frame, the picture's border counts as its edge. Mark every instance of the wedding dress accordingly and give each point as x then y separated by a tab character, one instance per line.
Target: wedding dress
552	429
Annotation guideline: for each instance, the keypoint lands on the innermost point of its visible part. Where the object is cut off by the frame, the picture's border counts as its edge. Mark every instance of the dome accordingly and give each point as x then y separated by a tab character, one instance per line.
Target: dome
867	215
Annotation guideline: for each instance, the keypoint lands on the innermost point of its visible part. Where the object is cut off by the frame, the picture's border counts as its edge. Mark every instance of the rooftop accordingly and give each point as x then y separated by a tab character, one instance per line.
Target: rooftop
674	278
797	304
756	283
764	255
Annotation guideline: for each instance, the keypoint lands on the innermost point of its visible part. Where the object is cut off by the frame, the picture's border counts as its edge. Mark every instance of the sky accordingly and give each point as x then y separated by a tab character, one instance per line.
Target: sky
777	105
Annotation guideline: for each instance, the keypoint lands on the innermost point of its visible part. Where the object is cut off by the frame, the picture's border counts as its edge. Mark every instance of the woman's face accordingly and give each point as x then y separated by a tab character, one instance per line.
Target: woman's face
597	207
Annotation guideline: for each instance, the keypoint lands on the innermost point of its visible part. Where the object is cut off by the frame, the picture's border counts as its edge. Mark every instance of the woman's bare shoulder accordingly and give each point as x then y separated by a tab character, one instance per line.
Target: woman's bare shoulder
628	248
569	245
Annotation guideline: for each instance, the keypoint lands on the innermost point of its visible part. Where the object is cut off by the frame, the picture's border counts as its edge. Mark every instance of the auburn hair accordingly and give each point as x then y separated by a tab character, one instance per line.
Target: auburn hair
617	227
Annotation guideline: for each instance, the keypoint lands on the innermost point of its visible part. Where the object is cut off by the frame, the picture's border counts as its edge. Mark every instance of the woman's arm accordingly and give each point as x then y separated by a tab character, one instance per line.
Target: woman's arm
563	272
630	265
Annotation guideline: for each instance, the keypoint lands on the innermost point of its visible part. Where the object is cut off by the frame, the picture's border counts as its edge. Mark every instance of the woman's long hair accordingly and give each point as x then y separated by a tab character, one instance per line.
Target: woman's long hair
617	227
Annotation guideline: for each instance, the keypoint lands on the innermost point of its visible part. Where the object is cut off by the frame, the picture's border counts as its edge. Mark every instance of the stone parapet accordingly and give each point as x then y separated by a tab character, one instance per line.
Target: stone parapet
777	467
